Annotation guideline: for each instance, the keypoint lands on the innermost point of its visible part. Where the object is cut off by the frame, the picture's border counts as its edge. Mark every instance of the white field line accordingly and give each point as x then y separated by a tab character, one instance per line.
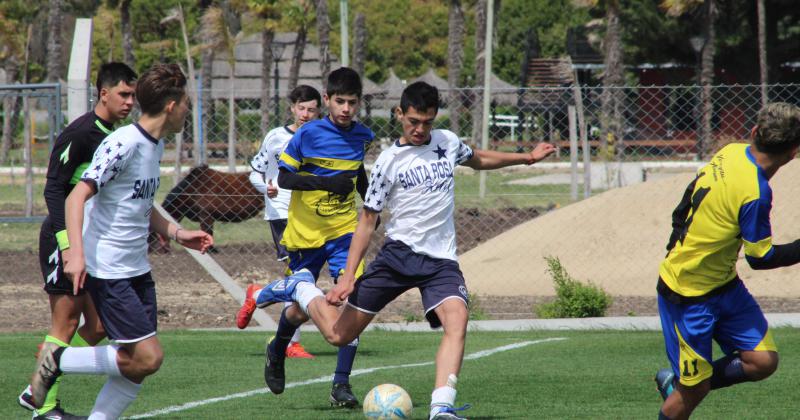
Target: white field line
327	378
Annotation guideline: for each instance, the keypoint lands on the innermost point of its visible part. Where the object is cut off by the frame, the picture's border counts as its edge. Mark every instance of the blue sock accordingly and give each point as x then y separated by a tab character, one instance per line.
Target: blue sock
282	337
727	371
344	362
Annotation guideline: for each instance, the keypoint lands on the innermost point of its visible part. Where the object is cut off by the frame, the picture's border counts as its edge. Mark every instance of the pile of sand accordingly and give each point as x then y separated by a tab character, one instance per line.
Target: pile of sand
617	240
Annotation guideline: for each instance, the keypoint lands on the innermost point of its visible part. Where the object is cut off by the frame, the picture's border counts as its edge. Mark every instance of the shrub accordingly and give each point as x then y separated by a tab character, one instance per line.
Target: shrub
573	298
476	313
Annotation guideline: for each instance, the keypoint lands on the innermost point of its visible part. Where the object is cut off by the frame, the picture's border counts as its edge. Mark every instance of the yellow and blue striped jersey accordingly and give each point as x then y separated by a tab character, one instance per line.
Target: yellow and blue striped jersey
321	148
726	206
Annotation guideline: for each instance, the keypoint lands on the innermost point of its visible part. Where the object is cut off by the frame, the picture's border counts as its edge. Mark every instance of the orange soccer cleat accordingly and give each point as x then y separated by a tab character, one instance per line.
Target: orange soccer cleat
245	313
296	351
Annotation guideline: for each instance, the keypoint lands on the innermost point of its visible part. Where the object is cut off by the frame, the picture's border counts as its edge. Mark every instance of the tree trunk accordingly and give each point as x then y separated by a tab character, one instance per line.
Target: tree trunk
266	77
611	100
297	57
232	122
55	17
323	32
10	105
127	34
480	48
455	61
762	52
207	111
360	44
707	78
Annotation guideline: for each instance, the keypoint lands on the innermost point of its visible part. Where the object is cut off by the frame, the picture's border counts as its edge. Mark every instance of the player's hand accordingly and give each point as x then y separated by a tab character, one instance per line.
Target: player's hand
339	184
195	239
74	269
541	151
272	190
340	292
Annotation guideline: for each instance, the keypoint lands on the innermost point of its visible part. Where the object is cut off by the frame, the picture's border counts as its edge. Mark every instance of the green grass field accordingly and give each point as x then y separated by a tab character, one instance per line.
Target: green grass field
588	375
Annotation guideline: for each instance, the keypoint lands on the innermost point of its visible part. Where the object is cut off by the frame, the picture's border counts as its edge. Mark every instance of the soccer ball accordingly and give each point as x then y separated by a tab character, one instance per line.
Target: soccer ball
387	402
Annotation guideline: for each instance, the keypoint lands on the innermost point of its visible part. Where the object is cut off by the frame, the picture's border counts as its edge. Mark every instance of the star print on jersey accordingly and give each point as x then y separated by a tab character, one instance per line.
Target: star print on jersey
110	160
440	152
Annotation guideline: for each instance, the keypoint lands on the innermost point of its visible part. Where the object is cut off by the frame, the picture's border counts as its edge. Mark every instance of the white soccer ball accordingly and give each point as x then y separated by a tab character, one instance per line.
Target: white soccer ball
387	402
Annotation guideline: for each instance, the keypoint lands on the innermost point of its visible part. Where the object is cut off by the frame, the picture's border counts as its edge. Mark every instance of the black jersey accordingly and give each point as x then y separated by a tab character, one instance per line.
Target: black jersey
71	155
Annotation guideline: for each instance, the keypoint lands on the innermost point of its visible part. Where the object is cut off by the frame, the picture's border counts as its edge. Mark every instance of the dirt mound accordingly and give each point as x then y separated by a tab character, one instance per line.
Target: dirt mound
617	240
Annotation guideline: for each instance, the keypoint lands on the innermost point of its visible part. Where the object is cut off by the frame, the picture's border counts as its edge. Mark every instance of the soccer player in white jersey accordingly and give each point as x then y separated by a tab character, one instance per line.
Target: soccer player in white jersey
110	258
413	180
305	107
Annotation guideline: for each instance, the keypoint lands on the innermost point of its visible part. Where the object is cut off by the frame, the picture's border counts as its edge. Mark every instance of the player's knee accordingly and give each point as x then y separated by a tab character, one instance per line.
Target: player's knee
764	364
150	361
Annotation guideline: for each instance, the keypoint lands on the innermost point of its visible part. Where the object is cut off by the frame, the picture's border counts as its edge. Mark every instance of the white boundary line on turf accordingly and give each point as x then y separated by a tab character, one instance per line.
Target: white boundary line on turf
327	378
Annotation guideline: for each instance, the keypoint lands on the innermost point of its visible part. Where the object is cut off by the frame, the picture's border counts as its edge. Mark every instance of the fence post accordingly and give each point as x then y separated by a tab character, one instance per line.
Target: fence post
573	153
79	69
178	155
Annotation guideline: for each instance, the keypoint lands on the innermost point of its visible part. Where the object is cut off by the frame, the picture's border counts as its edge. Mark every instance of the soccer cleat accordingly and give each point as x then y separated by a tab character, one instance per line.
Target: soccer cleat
296	351
283	290
58	413
446	412
342	396
46	372
665	380
274	373
245	313
25	399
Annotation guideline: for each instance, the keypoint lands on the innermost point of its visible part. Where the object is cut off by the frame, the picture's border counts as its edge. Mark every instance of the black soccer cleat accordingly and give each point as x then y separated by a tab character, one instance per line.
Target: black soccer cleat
274	373
58	413
342	396
46	373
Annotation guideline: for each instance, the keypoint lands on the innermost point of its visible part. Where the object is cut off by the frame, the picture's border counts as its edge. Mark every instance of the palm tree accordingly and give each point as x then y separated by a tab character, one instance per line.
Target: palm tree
612	98
709	11
323	33
127	33
360	44
455	60
266	14
216	30
299	17
762	51
55	17
12	49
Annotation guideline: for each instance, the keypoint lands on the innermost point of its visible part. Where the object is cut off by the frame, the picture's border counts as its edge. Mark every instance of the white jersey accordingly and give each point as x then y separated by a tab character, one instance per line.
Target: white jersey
125	172
266	163
415	183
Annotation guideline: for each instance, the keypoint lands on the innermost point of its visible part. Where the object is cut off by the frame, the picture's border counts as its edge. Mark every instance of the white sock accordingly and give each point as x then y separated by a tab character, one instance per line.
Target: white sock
117	394
304	293
445	395
99	360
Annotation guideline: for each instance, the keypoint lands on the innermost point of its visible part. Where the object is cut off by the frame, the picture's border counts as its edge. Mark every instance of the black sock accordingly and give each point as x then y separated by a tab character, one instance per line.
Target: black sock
283	336
727	371
344	362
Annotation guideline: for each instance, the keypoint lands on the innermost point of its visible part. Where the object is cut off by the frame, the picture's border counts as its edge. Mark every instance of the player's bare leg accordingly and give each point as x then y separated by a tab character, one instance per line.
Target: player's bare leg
453	314
759	365
339	326
681	403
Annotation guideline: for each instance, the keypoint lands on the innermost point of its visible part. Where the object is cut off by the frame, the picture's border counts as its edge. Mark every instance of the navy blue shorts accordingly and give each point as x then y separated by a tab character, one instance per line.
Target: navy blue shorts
396	269
277	227
127	306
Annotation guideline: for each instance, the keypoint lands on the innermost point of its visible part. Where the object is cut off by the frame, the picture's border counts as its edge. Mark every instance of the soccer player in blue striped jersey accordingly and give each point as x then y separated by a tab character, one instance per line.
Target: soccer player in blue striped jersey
700	296
413	180
323	165
71	155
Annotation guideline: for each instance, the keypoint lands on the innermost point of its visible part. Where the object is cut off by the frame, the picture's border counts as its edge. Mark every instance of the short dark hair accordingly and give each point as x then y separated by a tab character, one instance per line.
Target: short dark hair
421	96
778	128
110	74
304	93
344	81
159	85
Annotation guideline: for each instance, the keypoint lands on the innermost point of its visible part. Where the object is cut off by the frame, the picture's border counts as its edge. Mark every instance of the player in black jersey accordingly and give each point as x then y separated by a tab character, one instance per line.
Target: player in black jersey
71	155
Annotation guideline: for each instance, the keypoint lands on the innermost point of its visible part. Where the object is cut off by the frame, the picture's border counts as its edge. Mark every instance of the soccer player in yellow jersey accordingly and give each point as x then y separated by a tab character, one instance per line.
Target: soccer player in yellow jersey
700	296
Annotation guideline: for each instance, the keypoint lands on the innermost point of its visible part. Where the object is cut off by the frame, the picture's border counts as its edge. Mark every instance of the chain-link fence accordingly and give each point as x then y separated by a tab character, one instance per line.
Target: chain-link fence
615	239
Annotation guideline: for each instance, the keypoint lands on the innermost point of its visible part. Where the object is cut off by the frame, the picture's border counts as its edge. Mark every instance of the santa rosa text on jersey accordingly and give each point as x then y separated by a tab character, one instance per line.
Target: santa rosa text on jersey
145	188
428	173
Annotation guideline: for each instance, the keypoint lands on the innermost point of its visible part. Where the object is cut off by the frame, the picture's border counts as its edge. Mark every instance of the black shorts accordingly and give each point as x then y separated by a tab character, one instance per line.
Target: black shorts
126	307
55	282
397	269
277	227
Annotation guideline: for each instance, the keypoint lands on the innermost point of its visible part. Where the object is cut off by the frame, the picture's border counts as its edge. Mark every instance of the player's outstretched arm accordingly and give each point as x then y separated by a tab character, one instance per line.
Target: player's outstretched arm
194	239
74	260
489	159
358	248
